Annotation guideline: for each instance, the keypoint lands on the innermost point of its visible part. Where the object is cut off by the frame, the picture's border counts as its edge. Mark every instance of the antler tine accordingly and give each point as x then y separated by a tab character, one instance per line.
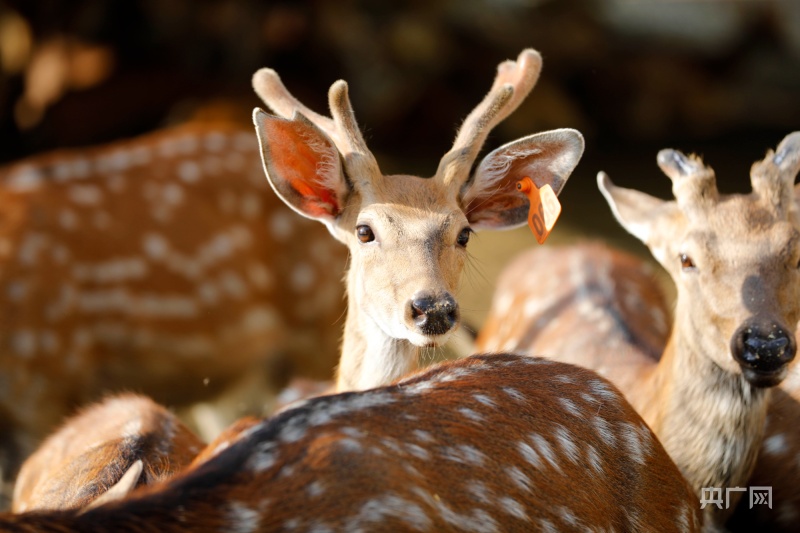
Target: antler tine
513	82
693	183
358	158
269	87
773	177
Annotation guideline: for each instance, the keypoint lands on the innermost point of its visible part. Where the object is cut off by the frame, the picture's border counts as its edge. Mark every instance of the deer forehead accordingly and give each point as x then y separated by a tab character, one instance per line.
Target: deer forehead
425	193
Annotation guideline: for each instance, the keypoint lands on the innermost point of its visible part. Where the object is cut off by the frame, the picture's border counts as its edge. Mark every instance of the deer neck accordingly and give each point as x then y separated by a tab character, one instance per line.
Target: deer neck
369	356
710	420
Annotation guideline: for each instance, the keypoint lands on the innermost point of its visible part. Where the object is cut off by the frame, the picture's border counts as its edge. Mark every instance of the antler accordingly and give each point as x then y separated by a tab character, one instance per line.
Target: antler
342	129
773	177
693	183
513	82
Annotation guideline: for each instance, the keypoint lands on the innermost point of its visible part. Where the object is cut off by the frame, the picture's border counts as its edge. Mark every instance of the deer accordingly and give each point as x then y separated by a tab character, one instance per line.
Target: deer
162	264
103	453
704	385
488	443
406	236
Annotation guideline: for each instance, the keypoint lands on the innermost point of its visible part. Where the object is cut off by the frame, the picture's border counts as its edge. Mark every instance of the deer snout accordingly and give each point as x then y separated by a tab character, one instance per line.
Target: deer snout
763	352
434	314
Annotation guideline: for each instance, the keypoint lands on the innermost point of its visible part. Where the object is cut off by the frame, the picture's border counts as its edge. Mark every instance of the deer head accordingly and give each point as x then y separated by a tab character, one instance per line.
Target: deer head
407	235
735	258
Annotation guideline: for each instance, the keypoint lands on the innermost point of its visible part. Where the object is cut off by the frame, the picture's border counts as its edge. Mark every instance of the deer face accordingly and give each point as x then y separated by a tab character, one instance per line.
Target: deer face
407	235
733	258
407	247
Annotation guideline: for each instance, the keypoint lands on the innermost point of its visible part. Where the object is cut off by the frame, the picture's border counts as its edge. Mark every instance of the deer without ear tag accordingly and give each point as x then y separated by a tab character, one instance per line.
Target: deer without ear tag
544	209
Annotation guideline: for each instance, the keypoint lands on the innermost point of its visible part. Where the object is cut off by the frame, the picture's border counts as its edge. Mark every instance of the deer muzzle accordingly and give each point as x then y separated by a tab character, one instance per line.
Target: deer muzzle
763	351
434	314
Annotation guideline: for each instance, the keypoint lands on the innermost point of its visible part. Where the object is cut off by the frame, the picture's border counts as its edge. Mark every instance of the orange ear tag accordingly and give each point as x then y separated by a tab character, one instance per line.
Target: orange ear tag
544	209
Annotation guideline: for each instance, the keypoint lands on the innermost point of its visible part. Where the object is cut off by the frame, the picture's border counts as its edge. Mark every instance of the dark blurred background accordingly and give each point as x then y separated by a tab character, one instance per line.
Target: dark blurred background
719	78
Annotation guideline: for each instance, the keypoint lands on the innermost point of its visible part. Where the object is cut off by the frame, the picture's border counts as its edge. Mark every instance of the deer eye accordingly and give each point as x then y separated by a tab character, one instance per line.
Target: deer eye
364	233
687	263
463	237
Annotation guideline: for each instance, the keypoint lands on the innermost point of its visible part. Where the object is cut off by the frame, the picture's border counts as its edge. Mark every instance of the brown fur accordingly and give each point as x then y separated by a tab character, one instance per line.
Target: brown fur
63	339
486	443
90	453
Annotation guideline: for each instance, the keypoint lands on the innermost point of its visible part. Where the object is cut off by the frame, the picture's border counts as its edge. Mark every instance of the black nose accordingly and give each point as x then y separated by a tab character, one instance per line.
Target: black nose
763	351
434	314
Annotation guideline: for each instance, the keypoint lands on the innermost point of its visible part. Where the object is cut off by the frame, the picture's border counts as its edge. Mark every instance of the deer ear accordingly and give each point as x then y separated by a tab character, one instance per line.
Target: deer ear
491	198
636	211
302	165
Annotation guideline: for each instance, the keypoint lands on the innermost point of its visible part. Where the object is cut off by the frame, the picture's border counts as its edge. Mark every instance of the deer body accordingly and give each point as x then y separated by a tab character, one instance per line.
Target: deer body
90	454
486	443
734	260
162	264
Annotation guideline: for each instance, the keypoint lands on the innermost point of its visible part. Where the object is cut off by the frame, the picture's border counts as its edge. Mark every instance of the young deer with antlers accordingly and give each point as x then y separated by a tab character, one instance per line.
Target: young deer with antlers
162	264
734	259
487	443
407	236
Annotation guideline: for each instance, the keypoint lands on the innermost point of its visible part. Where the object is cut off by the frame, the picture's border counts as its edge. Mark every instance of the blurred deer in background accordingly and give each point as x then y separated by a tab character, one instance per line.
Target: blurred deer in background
119	444
162	264
487	443
407	236
735	260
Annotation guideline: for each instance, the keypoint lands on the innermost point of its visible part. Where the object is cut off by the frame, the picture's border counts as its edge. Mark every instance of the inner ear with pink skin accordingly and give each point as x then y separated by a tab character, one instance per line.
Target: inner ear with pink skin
302	165
491	199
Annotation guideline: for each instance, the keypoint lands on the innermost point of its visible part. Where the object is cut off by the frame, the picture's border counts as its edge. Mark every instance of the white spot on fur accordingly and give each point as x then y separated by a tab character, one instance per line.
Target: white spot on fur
281	225
374	513
422	436
302	277
484	399
518	477
23	343
25	178
603	429
16	290
513	507
471	414
264	456
594	459
189	171
232	284
214	141
514	393
208	293
242	519
631	439
529	454
32	245
155	246
776	445
603	390
567	444
259	275
545	450
315	489
172	194
88	195
570	406
251	206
